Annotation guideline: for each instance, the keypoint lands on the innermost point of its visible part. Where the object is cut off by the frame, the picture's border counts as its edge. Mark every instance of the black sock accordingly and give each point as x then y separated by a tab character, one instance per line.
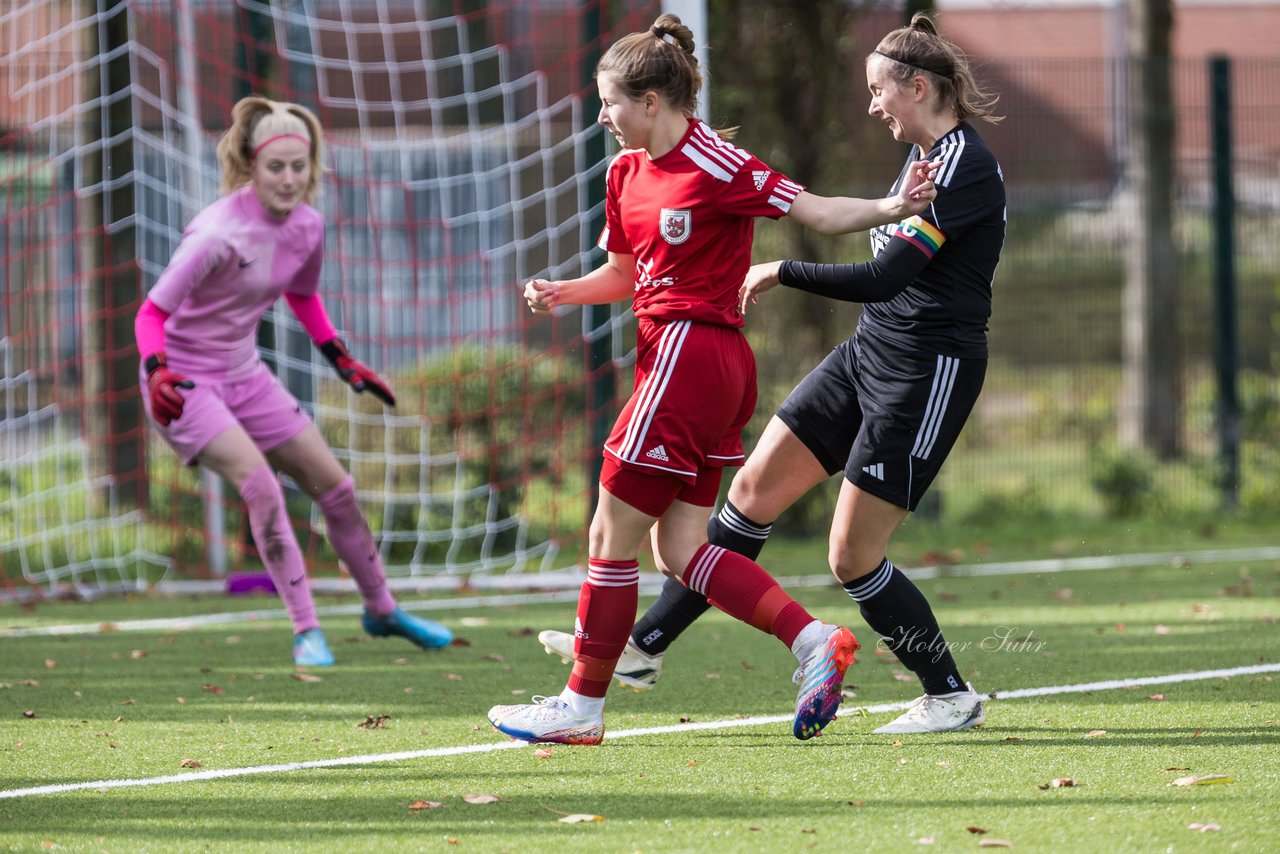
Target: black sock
729	529
676	609
678	606
898	612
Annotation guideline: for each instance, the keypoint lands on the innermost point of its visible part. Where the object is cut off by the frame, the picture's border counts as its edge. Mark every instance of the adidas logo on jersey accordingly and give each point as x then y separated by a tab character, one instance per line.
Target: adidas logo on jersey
660	454
760	178
876	470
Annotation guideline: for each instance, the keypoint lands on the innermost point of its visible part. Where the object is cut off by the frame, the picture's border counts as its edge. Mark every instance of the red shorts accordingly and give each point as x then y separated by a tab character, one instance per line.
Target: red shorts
695	391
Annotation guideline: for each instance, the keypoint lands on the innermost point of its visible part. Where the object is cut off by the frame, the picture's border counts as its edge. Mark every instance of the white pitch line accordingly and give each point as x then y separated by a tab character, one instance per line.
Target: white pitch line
377	758
647	586
651	582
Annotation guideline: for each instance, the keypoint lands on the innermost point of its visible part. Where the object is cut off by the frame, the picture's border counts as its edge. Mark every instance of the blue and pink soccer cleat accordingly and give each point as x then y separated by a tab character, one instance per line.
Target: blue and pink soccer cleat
822	677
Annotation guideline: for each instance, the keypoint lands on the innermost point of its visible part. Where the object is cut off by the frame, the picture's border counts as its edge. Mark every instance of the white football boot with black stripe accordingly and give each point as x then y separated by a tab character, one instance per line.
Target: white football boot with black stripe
939	713
636	669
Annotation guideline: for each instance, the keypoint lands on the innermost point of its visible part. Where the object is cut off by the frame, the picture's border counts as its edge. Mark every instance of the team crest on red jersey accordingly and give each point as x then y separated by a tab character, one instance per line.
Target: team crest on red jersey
675	224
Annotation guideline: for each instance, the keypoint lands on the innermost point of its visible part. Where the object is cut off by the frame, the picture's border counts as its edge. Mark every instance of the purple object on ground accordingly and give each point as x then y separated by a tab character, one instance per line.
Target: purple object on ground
245	583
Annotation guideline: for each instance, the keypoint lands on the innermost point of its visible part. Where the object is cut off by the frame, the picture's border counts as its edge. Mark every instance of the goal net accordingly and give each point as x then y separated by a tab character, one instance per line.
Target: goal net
463	159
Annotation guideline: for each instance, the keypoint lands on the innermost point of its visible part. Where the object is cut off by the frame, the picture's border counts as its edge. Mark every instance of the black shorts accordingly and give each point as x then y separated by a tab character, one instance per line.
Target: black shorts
886	415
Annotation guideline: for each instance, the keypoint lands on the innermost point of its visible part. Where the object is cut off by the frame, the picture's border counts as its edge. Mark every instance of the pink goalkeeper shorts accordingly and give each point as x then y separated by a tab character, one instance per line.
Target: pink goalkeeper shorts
256	402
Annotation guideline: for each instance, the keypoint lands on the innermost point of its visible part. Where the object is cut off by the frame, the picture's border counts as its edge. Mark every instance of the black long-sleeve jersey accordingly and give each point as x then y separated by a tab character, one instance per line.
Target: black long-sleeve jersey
928	286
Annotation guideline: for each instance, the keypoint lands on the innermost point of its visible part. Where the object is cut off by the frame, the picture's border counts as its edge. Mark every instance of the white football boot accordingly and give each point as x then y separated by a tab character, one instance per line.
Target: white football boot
939	713
636	669
547	720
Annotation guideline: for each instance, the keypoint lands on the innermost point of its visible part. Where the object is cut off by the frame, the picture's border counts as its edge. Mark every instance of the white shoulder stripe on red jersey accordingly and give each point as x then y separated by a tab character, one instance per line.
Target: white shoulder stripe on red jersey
706	163
711	140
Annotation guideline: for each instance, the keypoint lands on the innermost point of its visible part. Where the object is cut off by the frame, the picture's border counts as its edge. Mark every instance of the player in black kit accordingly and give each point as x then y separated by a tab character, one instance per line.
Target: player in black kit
887	405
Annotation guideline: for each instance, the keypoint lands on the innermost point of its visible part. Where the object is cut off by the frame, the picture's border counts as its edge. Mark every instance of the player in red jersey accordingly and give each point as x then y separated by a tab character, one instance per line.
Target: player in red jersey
679	218
887	405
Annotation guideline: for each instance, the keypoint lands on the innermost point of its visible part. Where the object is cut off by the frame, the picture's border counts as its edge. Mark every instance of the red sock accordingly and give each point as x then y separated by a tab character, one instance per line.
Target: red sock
742	588
606	612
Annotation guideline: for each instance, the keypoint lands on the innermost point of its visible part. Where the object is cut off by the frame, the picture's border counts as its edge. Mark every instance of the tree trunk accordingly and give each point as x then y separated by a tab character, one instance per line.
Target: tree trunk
1150	395
114	426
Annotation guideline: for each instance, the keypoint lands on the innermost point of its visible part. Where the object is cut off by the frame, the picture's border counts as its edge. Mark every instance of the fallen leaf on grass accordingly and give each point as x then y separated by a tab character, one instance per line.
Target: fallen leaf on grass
686	719
303	676
400	661
1011	739
138	653
897	742
453	677
460	641
1179	768
691	763
371	722
902	676
495	656
973	828
1059	783
580	818
995	843
50	663
542	753
30	713
426	805
1206	780
1204	828
129	702
1163	630
189	763
1094	733
210	688
1156	697
712	676
481	799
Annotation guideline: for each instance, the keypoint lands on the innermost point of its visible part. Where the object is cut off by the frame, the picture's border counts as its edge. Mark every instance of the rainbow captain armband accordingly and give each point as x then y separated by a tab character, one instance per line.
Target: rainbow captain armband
921	234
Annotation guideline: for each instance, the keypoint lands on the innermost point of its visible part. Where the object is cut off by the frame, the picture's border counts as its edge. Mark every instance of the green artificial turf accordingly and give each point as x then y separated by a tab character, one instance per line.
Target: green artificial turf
120	705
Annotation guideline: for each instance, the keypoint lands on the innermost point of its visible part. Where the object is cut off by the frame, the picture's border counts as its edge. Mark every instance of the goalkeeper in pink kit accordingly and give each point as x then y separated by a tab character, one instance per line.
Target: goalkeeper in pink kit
214	401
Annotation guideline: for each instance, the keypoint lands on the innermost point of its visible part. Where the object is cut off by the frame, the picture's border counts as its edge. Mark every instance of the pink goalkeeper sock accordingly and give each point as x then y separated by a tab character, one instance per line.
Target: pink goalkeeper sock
278	547
350	537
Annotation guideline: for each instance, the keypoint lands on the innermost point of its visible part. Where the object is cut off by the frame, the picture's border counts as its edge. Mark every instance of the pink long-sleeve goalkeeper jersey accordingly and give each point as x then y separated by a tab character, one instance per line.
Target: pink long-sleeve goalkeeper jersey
235	260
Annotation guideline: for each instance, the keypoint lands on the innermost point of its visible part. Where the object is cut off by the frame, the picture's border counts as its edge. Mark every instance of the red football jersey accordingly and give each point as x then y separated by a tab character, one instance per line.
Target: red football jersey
688	218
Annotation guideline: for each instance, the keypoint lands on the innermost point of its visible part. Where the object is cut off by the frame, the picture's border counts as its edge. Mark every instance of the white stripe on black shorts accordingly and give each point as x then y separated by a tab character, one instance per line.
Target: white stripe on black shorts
886	415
